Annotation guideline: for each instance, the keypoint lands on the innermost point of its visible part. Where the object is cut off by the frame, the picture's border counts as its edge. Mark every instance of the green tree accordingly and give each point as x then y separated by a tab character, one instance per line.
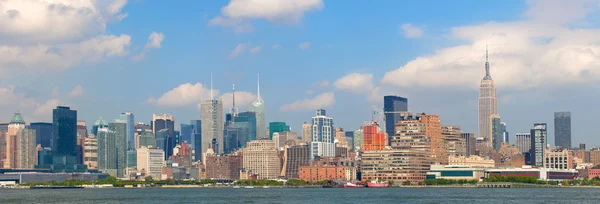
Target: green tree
148	178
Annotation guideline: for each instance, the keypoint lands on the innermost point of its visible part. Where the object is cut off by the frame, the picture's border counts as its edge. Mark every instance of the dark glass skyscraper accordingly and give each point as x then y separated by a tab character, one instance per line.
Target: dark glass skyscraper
392	107
246	122
43	133
118	131
64	136
562	129
197	140
187	133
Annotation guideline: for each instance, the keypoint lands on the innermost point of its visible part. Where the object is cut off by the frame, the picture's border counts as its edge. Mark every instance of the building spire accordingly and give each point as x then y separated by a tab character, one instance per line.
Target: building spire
233	109
258	86
487	65
211	87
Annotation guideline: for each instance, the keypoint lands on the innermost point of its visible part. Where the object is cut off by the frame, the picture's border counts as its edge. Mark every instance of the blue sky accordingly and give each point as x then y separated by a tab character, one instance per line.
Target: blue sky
156	57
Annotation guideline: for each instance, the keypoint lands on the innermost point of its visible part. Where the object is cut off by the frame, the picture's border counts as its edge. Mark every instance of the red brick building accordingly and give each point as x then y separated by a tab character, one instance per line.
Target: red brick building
322	173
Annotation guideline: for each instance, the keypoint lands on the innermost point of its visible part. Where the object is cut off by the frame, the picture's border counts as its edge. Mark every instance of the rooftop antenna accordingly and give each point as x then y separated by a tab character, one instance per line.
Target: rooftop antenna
211	87
258	85
233	109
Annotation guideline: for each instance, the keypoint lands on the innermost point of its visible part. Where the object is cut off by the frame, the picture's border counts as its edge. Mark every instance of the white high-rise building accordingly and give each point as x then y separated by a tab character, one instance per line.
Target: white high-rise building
258	107
322	136
487	104
212	123
150	161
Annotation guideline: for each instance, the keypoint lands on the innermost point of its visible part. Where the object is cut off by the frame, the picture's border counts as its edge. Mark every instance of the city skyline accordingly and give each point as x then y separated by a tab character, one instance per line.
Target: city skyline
350	83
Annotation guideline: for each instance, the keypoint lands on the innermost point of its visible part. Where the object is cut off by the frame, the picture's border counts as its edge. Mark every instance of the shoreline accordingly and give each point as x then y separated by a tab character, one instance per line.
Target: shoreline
268	187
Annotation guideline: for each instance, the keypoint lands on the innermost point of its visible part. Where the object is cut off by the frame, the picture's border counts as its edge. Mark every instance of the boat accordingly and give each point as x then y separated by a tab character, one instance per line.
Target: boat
352	185
375	184
249	187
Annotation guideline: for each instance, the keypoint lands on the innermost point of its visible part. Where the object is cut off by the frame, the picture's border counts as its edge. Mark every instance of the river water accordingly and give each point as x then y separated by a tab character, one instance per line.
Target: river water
306	195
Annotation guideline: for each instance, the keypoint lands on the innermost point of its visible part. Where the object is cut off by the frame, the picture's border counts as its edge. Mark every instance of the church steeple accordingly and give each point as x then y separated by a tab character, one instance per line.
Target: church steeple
487	66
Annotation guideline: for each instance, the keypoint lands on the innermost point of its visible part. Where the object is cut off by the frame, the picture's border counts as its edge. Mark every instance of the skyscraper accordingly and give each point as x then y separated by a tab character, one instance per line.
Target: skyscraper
118	131
12	141
107	150
277	127
197	140
487	103
358	138
258	107
64	137
322	144
373	137
523	142
505	134
245	123
130	129
212	125
496	132
187	133
306	132
165	122
393	106
538	144
100	123
562	129
43	133
470	141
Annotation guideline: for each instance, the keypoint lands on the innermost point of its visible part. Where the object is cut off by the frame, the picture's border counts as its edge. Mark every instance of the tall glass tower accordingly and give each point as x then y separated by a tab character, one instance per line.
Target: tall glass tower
130	129
562	129
64	136
258	107
393	106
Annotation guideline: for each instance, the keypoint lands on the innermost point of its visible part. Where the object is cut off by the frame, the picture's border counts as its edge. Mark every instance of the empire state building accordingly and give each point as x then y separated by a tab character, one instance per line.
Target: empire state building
487	103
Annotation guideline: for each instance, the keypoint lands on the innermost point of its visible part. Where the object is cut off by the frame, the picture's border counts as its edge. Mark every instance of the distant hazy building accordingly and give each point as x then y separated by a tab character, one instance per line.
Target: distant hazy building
165	122
246	122
538	144
258	107
281	138
322	144
197	141
262	158
90	152
306	132
523	141
358	138
471	143
187	134
562	129
130	129
393	106
100	123
118	131
212	125
277	127
496	131
350	139
43	132
505	135
488	103
150	161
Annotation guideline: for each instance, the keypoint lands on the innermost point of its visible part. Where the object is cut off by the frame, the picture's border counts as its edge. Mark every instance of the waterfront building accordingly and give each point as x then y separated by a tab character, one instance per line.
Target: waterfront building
277	127
374	138
323	173
538	173
322	144
455	172
523	141
165	122
496	131
223	166
90	152
43	133
473	161
397	165
538	144
212	125
559	159
296	156
150	161
487	103
358	135
306	132
424	125
454	143
471	143
393	107
562	129
258	107
262	158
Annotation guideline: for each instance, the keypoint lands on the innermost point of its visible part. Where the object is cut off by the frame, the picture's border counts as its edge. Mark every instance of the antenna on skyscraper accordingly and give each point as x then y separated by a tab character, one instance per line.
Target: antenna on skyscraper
211	87
486	53
258	85
233	109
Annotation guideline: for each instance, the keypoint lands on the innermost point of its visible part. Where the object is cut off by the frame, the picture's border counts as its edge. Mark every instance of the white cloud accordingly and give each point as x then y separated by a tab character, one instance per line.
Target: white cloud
320	101
44	110
238	13
32	109
410	31
276	46
184	94
77	91
256	50
304	45
355	82
27	21
242	99
238	50
538	51
155	40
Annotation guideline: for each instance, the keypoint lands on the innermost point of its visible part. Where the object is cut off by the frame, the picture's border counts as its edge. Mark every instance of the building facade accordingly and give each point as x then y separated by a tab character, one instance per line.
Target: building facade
212	125
118	131
277	127
562	129
166	124
559	159
488	104
307	132
358	138
223	167
393	106
538	144
262	158
43	132
454	143
496	131
374	138
523	141
322	144
90	152
471	143
296	156
150	161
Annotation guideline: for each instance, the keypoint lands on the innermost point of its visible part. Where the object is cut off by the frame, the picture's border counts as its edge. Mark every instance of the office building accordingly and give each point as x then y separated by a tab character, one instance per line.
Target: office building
496	131
296	156
27	152
81	135
277	127
165	122
562	129
282	138
350	139
374	138
150	161
129	129
523	141
90	152
454	144
487	104
505	135
408	163
538	144
146	138
262	158
100	123
223	166
212	125
245	122
393	107
322	144
306	132
43	133
12	141
358	138
187	134
471	143
197	141
559	159
258	107
107	150
64	140
118	131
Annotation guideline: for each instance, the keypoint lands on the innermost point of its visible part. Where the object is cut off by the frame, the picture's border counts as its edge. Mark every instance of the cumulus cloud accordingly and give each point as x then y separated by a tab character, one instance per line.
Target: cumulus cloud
410	31
77	91
44	110
238	13
155	40
355	82
256	50
238	50
319	101
184	94
537	51
304	45
32	109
